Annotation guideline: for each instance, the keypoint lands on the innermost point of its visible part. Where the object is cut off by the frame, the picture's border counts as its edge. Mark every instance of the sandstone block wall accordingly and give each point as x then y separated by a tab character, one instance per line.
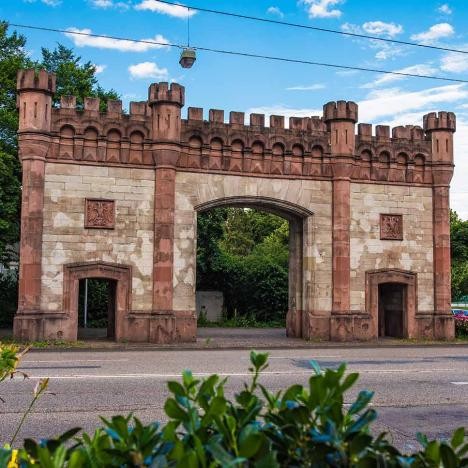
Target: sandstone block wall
65	240
413	253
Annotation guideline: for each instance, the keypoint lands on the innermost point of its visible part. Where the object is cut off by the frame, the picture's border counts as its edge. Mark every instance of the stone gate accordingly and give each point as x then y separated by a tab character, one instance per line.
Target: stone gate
116	196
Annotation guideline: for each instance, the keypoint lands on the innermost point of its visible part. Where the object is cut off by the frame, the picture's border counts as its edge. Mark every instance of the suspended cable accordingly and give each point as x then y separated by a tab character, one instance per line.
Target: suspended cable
315	28
245	54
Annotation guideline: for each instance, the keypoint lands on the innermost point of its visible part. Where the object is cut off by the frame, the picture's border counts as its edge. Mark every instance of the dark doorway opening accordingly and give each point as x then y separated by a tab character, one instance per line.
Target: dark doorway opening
96	309
392	310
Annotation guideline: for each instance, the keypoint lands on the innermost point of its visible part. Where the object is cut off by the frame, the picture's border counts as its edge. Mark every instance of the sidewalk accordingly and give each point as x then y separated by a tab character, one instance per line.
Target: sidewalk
235	338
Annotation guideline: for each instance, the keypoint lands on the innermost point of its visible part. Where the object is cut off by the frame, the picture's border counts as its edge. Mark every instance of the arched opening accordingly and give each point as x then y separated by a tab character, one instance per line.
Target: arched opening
392	310
250	255
96	308
391	300
114	295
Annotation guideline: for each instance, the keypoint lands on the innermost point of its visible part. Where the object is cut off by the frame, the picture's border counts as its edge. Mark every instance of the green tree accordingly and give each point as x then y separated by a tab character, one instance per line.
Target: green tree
13	56
244	253
209	233
74	77
246	228
459	253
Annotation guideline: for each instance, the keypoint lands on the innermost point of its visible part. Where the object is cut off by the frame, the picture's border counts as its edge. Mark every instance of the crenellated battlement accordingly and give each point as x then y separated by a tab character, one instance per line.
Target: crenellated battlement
214	140
258	121
440	121
163	92
32	80
340	110
384	134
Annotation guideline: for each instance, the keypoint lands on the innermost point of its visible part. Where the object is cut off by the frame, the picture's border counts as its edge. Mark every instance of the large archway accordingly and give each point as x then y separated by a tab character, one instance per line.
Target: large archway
296	217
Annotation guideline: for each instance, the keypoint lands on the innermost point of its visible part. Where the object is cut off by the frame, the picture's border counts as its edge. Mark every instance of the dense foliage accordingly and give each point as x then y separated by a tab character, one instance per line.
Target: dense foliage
302	426
73	77
13	56
459	252
244	254
8	297
98	302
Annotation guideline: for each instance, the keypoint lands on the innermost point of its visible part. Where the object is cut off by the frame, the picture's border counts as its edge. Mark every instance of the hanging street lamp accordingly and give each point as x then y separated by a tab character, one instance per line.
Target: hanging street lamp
188	55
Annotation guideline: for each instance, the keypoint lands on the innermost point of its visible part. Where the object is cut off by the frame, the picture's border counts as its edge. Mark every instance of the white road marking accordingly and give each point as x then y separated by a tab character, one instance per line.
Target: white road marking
73	360
459	383
221	374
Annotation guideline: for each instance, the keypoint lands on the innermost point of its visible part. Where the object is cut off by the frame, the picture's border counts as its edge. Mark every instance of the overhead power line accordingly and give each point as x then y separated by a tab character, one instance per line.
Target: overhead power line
245	54
314	28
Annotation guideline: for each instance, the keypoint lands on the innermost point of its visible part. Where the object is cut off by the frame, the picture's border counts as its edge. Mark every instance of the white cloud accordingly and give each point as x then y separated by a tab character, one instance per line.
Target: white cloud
323	8
148	70
122	5
100	68
434	33
313	87
459	191
380	28
275	11
178	11
117	44
102	3
52	3
445	9
454	62
392	102
384	50
419	69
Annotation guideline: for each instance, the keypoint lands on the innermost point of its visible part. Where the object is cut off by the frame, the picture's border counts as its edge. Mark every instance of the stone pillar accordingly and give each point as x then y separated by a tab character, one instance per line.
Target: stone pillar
440	128
166	102
341	118
35	91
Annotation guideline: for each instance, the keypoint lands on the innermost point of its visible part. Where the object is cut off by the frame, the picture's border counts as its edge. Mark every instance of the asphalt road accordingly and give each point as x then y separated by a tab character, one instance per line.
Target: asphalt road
416	388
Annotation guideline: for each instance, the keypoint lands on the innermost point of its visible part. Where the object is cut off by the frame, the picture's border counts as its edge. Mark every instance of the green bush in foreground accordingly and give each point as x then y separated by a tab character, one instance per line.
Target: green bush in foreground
301	426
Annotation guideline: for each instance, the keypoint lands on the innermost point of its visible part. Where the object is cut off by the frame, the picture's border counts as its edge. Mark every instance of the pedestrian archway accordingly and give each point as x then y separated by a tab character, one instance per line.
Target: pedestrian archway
118	279
391	300
96	308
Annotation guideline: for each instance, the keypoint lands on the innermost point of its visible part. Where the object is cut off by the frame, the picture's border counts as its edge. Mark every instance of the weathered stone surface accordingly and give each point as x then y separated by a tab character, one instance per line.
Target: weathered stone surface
67	241
365	211
413	253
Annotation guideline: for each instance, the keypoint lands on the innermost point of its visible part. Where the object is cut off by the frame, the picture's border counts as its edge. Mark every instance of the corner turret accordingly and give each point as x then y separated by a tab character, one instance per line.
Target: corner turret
341	117
166	102
35	90
440	127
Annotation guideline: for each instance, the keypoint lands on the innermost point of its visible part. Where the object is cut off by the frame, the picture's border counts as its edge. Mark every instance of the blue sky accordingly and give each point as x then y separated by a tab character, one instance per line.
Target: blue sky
250	85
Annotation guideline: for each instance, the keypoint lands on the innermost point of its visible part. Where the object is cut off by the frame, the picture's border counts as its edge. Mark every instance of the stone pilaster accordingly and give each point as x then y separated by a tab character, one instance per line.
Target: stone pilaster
341	118
166	325
440	128
35	91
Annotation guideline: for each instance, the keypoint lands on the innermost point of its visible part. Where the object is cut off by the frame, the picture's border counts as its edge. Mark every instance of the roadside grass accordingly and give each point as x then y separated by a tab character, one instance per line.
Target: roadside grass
43	344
